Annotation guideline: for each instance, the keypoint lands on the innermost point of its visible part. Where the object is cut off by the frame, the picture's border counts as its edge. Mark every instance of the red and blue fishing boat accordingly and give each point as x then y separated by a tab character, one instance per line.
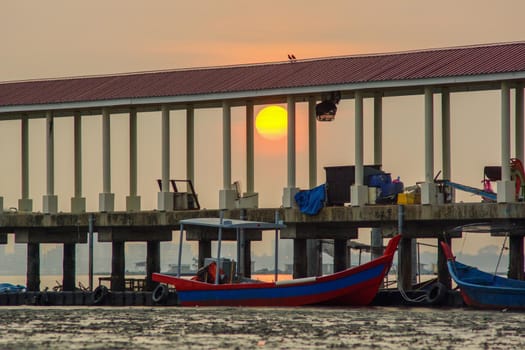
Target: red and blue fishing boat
354	286
482	289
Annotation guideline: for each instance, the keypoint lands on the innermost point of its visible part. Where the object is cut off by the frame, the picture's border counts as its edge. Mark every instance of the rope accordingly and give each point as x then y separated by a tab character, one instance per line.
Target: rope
501	253
418	299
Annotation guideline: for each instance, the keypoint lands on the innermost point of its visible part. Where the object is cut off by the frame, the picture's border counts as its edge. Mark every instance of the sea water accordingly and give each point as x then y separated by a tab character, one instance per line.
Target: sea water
259	328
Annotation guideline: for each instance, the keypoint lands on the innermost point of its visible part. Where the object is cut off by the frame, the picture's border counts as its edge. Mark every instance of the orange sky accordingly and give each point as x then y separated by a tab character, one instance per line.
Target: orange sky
56	38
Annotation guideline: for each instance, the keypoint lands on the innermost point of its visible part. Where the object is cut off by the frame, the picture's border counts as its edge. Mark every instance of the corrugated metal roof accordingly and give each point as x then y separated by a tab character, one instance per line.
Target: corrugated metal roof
448	62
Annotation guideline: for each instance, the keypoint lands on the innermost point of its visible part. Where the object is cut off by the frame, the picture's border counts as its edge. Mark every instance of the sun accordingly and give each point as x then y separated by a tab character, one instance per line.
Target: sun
272	122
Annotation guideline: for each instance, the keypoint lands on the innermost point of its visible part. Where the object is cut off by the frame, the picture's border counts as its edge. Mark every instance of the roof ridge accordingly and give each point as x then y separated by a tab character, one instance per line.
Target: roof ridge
249	65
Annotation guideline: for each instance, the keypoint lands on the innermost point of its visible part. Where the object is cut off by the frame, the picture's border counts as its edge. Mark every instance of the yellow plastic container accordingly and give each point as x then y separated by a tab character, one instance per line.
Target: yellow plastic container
408	198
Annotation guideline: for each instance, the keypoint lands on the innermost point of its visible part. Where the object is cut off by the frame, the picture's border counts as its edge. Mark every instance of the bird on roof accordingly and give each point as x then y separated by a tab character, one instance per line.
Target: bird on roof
291	57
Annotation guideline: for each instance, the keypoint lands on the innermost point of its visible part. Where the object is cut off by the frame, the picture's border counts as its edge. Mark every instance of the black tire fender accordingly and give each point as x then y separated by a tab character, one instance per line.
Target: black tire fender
160	294
99	294
436	293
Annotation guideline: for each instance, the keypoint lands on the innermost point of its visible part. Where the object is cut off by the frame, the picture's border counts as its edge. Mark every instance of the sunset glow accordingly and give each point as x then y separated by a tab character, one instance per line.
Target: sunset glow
272	122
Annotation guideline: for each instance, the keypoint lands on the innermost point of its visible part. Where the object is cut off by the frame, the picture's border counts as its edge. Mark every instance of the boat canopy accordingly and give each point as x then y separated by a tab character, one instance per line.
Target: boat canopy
232	224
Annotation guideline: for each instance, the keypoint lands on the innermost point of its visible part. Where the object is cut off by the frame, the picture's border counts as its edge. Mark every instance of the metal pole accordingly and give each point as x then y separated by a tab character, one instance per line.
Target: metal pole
91	221
276	247
219	241
180	249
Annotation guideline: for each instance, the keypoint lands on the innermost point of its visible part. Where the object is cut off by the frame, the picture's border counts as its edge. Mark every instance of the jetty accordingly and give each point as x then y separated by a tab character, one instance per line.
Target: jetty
321	84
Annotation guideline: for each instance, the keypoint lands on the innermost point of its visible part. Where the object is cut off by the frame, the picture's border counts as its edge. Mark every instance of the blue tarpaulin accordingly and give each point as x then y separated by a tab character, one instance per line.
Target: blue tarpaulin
311	201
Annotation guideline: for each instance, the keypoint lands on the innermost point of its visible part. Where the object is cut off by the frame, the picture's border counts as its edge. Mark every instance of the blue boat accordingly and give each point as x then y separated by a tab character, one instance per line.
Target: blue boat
11	288
482	289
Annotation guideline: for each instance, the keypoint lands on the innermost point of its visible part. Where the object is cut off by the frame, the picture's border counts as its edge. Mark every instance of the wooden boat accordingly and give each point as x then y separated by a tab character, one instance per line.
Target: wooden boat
484	290
353	286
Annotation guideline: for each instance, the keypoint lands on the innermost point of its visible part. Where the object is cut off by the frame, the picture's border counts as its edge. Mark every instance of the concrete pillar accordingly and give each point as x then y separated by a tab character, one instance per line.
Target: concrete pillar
376	243
118	266
340	254
445	127
152	263
516	257
250	148
133	200
404	272
443	274
190	144
204	251
520	125
165	198
106	199
429	188
25	204
68	267
290	190
246	252
359	192
50	200
299	261
78	203
227	195
376	235
505	187
33	267
314	257
378	128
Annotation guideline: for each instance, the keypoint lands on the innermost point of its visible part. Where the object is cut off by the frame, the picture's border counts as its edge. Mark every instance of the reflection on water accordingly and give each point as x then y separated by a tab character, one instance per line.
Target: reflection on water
260	328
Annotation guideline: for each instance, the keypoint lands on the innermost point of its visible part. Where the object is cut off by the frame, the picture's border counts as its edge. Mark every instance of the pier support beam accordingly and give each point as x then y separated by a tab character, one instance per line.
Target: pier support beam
165	198
50	200
445	134
25	204
442	269
290	190
133	200
227	195
33	267
106	199
78	203
313	246
204	251
340	254
505	187
519	120
152	263
404	270
516	257
118	266
299	262
429	188
359	192
246	253
68	267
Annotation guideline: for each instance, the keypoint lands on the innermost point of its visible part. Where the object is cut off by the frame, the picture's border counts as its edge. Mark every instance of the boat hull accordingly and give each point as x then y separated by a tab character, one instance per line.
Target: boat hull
483	290
354	286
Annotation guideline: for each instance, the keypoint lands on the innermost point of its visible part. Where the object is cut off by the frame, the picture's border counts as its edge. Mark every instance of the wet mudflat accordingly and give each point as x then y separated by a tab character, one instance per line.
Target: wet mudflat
258	328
